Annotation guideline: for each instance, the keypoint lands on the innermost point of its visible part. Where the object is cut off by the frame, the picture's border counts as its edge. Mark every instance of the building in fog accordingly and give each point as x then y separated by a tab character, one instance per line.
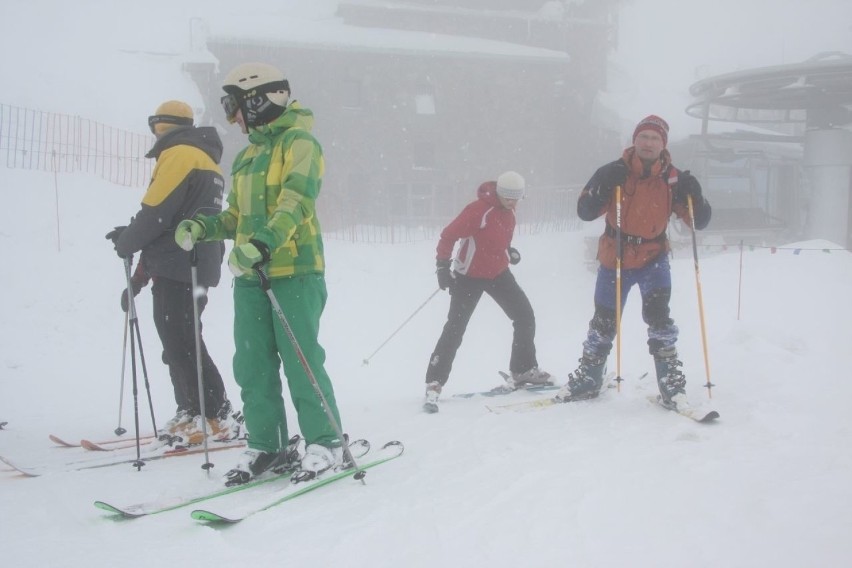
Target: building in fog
416	103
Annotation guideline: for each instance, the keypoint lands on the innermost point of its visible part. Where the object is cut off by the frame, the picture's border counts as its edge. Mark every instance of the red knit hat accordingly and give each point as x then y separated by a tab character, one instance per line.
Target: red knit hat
655	123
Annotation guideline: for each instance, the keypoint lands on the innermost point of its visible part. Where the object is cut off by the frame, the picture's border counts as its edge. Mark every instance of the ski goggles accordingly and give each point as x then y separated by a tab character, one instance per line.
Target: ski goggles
156	119
231	106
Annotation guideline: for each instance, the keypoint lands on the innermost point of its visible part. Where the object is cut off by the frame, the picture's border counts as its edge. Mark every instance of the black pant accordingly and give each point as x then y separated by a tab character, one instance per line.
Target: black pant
173	317
465	296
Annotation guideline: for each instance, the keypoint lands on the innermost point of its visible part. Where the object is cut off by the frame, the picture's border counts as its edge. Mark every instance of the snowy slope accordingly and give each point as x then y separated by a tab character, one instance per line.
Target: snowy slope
610	482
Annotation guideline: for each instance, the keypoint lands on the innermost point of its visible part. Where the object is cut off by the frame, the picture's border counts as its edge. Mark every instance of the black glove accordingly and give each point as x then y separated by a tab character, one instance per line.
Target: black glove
605	179
115	233
445	277
136	286
514	256
687	185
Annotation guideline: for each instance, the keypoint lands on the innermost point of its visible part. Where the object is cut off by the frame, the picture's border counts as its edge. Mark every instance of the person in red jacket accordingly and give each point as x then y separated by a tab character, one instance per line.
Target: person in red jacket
484	230
652	190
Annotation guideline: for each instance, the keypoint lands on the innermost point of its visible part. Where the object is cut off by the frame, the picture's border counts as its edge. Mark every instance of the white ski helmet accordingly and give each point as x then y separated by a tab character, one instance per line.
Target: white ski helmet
258	89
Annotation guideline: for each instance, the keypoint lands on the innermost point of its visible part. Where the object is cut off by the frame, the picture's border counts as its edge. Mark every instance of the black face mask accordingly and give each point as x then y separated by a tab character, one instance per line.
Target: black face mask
259	110
255	105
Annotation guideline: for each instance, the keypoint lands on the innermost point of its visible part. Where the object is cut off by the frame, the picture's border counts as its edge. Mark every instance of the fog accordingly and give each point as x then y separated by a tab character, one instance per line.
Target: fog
664	47
506	96
612	482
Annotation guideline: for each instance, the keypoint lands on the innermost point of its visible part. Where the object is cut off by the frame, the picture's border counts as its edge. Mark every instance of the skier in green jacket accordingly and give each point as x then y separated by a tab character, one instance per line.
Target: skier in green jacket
271	215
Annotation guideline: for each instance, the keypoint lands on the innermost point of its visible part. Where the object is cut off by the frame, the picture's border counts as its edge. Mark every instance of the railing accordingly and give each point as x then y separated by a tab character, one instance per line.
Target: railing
60	143
54	142
545	210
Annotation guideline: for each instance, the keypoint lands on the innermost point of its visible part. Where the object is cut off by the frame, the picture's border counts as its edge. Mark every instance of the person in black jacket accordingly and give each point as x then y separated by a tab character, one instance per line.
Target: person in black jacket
186	182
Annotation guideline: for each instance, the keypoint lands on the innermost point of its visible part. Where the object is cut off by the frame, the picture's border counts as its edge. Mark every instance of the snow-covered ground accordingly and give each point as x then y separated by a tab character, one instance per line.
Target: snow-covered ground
612	482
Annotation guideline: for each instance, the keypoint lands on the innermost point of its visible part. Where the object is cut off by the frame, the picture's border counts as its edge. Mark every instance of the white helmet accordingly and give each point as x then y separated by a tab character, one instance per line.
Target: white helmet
260	90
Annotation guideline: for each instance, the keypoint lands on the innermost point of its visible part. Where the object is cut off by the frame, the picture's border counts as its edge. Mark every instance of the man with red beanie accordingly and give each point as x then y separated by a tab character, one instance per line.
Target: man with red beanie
484	230
652	189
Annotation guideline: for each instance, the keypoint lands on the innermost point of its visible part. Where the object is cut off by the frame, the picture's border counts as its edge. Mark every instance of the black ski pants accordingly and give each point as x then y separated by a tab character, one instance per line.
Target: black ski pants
464	297
174	320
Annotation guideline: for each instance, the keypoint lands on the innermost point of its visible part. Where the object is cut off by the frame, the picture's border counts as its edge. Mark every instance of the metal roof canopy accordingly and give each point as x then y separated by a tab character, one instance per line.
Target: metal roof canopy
816	93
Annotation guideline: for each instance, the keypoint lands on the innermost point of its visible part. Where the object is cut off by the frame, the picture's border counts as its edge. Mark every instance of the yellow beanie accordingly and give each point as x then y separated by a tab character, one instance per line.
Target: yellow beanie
168	115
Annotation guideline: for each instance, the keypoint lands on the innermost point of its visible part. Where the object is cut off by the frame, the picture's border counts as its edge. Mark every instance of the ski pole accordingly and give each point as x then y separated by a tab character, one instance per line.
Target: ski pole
367	360
136	339
740	283
193	266
266	287
618	254
134	323
119	431
131	311
708	384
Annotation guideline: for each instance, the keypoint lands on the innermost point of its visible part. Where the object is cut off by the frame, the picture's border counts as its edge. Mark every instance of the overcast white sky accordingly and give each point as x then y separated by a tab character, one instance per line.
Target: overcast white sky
666	46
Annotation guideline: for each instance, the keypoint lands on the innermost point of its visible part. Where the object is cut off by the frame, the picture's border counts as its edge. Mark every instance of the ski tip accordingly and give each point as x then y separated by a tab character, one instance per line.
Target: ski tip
396	444
709	417
60	442
210	517
91	446
114	510
28	472
465	394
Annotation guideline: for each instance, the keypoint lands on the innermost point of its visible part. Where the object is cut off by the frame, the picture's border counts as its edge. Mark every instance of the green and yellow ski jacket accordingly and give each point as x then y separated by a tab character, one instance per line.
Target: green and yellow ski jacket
275	183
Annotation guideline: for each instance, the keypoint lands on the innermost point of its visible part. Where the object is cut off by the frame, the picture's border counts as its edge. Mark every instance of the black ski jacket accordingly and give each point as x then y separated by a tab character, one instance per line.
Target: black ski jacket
186	182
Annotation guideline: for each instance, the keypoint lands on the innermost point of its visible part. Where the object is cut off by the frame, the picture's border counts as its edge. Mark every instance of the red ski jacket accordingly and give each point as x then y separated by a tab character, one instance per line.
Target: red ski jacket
485	230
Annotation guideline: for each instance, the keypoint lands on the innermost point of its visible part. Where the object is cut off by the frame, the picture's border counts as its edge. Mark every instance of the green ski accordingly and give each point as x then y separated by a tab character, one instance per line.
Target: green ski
271	484
242	510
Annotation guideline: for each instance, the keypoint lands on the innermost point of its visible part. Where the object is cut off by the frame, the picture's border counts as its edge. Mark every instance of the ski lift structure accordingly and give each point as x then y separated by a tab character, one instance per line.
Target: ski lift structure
785	170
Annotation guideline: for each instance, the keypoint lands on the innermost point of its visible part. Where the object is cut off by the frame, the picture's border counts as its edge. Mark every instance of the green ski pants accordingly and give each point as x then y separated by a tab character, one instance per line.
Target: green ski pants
261	344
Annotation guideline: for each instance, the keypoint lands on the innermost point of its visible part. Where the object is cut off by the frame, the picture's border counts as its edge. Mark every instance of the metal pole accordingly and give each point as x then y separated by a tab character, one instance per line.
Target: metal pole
265	285
708	384
119	431
740	283
367	360
133	321
131	310
193	263
618	254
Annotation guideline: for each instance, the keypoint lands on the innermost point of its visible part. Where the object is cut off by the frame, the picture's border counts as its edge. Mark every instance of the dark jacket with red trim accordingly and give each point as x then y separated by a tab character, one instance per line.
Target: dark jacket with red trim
646	206
186	182
484	229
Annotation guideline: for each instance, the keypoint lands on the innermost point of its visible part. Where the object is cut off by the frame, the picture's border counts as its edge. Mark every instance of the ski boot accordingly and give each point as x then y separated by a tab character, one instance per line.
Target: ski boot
532	378
670	379
585	382
255	463
433	391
